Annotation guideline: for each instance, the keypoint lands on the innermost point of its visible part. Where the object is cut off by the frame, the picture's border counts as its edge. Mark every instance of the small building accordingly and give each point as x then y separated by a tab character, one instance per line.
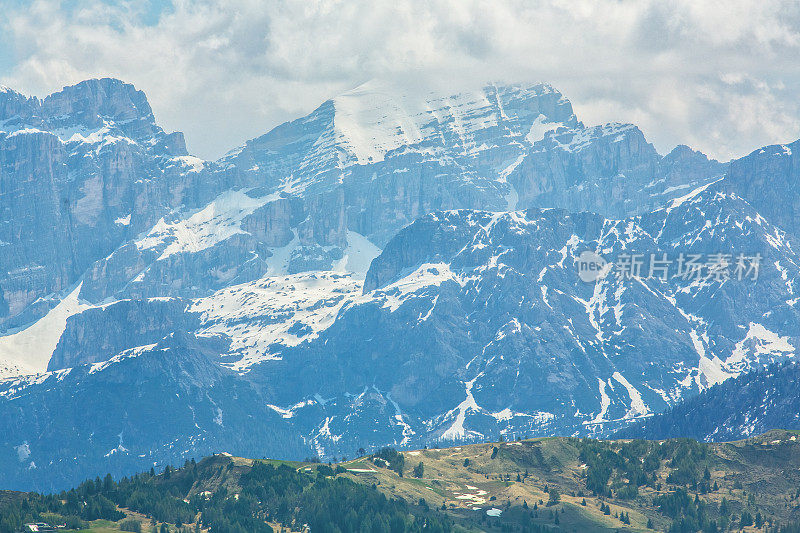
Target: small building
40	527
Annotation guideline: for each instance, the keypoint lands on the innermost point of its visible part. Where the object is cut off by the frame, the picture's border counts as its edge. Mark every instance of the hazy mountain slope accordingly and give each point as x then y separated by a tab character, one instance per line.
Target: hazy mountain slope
739	408
154	404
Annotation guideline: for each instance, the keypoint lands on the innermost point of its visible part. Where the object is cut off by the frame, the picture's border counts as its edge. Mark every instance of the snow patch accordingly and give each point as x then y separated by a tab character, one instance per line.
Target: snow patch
638	407
758	341
714	369
369	122
265	315
540	128
191	163
358	254
457	430
219	220
605	402
426	275
29	351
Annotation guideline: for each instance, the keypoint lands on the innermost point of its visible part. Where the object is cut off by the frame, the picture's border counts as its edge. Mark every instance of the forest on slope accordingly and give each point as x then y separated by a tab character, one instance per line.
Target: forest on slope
551	484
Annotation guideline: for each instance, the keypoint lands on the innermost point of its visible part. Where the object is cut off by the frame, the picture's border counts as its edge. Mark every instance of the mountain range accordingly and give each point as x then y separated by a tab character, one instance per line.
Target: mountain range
388	269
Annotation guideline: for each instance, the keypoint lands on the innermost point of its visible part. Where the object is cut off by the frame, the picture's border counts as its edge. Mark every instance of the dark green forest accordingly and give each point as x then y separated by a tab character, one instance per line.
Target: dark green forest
267	493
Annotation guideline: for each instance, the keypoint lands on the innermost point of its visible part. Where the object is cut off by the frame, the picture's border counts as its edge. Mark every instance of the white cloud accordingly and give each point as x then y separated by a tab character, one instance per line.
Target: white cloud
719	76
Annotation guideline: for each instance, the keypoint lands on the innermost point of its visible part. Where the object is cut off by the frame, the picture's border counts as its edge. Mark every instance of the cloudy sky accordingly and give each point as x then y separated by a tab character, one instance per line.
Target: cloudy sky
722	77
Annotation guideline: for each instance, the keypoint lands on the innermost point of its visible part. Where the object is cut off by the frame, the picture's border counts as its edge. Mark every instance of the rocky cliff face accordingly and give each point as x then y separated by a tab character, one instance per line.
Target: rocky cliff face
114	328
82	171
610	169
769	178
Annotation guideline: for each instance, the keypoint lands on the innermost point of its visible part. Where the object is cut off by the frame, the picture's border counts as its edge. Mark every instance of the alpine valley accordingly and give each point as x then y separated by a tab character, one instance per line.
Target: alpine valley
387	270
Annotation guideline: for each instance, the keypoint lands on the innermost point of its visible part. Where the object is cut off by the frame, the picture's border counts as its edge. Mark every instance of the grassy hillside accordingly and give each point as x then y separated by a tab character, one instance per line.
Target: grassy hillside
646	481
553	484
